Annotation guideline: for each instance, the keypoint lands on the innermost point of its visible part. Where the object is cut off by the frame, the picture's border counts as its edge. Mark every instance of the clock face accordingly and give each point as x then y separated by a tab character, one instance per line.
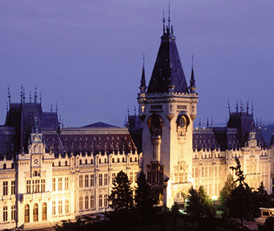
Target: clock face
35	161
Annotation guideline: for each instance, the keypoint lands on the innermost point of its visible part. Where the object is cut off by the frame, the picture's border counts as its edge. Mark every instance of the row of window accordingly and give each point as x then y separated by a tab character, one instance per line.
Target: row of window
57	208
35	212
6	188
36	186
5	213
60	184
90	180
89	203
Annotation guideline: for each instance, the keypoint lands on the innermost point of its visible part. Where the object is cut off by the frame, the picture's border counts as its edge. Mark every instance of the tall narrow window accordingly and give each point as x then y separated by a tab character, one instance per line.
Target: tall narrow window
5	213
92	180
28	186
67	206
44	211
60	184
53	208
60	207
80	203
100	179
12	189
43	185
66	183
106	200
86	202
105	179
26	218
92	202
100	201
35	212
5	188
81	181
53	184
86	180
12	214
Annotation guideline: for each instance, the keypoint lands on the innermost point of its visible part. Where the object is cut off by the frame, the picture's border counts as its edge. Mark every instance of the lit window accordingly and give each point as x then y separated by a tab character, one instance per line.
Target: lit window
86	202
66	183
106	200
92	180
12	212
105	179
53	184
92	202
100	179
26	217
86	180
60	207
5	188
81	181
67	206
44	211
43	185
5	213
13	187
80	203
53	208
100	201
35	212
60	184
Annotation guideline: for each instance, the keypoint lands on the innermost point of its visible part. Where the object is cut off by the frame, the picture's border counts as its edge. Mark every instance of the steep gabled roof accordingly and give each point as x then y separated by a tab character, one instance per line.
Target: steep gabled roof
99	125
168	72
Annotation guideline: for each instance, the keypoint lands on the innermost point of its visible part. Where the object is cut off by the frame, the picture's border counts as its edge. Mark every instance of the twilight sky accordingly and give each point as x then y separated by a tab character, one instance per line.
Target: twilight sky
86	55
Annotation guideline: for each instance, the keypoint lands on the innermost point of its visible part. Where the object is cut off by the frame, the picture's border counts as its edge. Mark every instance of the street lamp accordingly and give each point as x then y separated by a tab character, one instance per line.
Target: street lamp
214	198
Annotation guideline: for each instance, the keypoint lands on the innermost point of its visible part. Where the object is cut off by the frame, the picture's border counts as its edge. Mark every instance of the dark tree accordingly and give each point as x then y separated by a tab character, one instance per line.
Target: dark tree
175	213
121	197
144	199
269	224
226	193
199	205
72	226
240	204
260	199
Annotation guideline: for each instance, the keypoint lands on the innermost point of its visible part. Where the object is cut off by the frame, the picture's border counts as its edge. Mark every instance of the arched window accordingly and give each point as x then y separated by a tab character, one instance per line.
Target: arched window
12	165
44	211
67	206
60	207
130	159
99	161
118	160
112	160
5	213
80	162
92	202
86	202
135	159
52	164
80	203
53	208
91	161
12	212
4	166
86	161
35	212
66	163
123	159
100	201
106	200
26	218
59	164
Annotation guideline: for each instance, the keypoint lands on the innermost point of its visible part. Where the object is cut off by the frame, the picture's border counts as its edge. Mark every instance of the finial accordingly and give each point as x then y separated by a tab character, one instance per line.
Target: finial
134	110
143	78
51	107
192	60
164	21
200	123
228	107
143	60
252	109
241	106
36	124
7	107
21	94
30	96
247	107
9	94
35	94
211	122
237	107
24	95
169	14
56	108
40	97
207	123
127	110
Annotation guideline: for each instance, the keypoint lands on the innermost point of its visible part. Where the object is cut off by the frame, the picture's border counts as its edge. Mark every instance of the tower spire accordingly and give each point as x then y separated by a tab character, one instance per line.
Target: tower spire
228	107
164	21
35	94
9	94
143	78
169	15
192	86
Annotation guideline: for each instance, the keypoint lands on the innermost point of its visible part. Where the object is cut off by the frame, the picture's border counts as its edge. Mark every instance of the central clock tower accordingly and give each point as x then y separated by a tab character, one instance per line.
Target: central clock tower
167	108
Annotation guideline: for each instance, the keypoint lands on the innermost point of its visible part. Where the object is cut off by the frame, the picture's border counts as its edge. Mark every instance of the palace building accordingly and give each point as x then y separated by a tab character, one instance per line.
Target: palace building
50	173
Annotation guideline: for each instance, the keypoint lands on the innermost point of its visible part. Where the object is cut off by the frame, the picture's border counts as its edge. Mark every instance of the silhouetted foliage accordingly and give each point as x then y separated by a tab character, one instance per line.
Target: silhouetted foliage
175	213
72	226
144	199
199	205
226	193
240	203
269	224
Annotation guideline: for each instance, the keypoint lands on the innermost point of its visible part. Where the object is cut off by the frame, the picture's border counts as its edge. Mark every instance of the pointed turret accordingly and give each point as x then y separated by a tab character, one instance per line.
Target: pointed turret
143	79
272	141
168	74
192	86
